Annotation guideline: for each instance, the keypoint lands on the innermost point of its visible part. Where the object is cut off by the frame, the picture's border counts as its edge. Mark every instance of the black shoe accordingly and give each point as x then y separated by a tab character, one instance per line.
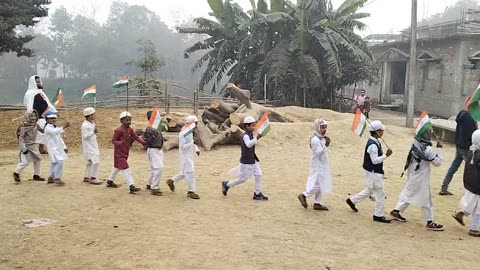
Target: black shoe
351	204
381	219
396	215
445	192
38	178
260	197
16	177
134	189
148	187
225	188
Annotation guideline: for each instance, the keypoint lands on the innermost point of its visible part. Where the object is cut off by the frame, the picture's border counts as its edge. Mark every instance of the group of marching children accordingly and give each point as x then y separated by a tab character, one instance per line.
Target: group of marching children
416	191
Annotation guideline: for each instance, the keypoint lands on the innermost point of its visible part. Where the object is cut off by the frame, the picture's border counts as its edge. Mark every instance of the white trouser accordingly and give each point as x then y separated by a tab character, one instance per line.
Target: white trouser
56	170
189	176
314	191
426	210
24	161
155	157
247	171
375	187
474	226
126	173
91	170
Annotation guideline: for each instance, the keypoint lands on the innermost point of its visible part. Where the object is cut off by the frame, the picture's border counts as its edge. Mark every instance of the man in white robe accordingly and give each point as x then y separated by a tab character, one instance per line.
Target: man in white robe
36	99
319	181
417	190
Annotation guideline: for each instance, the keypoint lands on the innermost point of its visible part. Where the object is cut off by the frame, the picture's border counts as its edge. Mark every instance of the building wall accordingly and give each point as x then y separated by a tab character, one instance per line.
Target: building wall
441	86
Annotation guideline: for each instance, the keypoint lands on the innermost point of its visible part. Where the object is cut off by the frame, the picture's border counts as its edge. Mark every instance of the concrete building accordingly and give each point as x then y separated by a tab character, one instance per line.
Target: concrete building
448	67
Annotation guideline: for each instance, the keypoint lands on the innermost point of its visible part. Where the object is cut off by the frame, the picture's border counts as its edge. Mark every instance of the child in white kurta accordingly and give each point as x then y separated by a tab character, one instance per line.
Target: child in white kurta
187	148
249	162
319	181
470	203
57	150
417	190
373	159
90	150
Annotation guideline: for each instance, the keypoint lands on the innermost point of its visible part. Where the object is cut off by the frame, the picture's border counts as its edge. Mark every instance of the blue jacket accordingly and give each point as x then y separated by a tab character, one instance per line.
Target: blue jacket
465	128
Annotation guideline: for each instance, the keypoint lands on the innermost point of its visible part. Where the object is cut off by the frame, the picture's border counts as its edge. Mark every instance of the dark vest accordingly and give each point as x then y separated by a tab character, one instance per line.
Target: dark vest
367	161
248	154
471	175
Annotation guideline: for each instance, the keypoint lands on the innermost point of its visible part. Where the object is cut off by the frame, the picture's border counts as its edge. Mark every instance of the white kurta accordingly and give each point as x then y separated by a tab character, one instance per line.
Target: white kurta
89	142
186	150
56	146
319	168
470	203
417	190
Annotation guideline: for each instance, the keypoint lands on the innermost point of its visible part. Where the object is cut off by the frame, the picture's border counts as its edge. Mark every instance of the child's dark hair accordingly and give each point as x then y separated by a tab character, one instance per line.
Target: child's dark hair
247	125
149	114
373	133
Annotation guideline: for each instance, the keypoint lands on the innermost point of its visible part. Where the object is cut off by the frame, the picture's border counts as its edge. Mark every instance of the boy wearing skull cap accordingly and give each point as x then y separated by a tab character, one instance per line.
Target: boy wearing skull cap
249	163
373	165
319	181
121	141
90	150
186	148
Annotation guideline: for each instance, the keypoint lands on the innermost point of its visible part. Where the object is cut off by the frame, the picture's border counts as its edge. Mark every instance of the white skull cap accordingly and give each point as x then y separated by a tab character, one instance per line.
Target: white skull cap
191	118
375	126
88	111
249	120
125	114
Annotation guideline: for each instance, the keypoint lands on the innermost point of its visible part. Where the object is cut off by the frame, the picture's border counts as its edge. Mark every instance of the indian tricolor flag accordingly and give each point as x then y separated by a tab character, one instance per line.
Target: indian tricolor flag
155	120
90	92
359	123
123	82
472	104
58	99
423	124
263	125
187	129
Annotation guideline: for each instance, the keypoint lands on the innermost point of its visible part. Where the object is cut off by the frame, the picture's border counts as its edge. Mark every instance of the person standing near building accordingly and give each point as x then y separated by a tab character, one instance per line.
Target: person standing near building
463	140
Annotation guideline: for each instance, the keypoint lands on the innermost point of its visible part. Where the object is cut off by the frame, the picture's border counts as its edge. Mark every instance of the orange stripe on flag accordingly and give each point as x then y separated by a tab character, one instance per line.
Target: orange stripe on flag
424	113
152	117
262	120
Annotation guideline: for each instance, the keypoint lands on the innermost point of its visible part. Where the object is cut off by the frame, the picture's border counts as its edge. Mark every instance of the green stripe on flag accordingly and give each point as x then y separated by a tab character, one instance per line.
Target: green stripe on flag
266	130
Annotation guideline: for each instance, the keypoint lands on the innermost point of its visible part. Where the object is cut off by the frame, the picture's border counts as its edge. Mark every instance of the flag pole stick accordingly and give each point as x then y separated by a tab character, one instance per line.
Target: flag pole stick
94	100
127	96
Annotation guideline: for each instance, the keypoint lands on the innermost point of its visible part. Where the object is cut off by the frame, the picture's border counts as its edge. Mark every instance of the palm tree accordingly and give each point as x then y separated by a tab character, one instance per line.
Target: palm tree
222	43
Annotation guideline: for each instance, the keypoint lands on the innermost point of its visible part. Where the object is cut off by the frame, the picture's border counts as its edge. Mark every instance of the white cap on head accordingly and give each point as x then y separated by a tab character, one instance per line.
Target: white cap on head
50	114
191	118
125	114
375	126
88	111
249	120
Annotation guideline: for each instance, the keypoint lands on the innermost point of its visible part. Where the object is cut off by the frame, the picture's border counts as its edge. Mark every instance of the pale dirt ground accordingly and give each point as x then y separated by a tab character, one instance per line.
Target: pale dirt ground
234	232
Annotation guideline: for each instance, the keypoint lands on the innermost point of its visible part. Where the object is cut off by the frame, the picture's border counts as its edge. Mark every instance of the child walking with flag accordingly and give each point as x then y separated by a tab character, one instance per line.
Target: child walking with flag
470	203
57	150
121	141
154	139
373	159
27	134
90	150
249	162
186	147
319	181
417	189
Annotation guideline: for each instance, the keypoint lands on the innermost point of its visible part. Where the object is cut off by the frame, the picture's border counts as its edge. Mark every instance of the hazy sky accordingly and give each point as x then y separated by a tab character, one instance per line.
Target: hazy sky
386	15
